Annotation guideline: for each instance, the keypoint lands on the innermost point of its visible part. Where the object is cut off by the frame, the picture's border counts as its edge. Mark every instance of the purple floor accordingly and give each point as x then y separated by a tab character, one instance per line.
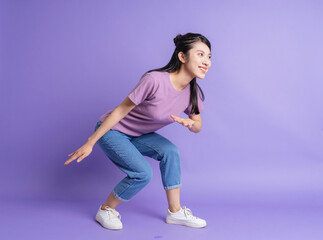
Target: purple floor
75	220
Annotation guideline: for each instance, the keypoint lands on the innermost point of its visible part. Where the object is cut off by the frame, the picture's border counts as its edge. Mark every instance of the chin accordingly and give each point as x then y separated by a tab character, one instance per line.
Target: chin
201	76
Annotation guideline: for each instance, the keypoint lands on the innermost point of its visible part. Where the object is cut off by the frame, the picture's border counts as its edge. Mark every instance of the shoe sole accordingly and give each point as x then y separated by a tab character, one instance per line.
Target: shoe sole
107	227
170	221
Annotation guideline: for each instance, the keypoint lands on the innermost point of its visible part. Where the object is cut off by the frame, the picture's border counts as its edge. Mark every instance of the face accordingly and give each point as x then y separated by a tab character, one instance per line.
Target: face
199	60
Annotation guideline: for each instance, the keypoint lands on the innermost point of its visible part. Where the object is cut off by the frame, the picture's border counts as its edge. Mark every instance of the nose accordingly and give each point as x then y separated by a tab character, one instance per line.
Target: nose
206	63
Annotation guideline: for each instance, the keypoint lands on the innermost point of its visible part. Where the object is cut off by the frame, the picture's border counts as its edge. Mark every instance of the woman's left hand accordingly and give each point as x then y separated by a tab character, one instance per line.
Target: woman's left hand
186	122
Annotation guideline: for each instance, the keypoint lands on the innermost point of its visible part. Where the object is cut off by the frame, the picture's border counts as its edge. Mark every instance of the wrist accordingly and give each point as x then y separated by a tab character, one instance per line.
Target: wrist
91	142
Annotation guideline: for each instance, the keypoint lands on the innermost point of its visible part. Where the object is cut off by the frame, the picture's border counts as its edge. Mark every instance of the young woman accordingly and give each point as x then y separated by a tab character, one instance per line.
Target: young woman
127	133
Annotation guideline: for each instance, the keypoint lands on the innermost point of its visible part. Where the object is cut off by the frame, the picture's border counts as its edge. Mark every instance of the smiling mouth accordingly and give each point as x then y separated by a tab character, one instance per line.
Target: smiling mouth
203	70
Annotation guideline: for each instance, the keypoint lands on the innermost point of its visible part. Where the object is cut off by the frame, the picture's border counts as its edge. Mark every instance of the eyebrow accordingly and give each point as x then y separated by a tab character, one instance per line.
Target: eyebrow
203	51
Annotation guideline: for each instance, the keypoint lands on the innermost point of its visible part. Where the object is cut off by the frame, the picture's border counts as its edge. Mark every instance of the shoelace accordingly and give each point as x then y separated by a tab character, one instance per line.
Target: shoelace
188	213
113	211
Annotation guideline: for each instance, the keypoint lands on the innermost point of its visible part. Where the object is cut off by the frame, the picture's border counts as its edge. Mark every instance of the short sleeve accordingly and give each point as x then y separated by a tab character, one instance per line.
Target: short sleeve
145	89
200	106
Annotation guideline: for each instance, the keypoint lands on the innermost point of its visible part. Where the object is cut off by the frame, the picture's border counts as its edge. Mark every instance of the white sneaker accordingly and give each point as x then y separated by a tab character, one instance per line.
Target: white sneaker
109	218
185	217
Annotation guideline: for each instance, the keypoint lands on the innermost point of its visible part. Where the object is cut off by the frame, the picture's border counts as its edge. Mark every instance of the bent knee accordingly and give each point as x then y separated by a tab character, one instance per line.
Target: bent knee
145	176
171	150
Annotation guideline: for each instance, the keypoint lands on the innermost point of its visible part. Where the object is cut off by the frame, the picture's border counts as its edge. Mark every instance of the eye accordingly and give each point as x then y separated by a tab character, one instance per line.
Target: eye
201	54
209	57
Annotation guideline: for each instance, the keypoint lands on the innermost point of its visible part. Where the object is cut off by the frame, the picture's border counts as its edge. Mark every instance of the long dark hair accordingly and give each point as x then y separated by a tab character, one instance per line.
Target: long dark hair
183	44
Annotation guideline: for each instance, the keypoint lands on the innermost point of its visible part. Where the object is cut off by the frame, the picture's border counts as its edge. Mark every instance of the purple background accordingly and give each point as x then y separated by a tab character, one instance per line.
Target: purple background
253	172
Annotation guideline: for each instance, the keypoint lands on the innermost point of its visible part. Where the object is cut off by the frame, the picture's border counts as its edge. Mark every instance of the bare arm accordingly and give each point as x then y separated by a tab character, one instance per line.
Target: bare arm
114	117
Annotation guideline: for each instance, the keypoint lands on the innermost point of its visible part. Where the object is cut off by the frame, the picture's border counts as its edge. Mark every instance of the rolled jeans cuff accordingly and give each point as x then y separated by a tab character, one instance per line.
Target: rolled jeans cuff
118	197
172	187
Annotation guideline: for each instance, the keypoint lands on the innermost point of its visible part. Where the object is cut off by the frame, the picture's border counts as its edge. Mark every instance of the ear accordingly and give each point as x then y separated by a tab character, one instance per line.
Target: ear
181	57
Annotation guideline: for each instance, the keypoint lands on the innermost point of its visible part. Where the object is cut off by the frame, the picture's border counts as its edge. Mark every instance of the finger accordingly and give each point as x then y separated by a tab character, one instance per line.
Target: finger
71	154
174	117
67	162
176	120
71	159
80	159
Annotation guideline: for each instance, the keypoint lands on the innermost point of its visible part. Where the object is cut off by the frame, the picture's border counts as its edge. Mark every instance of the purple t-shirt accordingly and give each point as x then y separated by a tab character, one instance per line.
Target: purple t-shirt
156	99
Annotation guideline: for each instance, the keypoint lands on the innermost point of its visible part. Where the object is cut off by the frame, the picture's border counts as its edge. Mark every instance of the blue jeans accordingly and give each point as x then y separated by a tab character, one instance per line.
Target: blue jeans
127	153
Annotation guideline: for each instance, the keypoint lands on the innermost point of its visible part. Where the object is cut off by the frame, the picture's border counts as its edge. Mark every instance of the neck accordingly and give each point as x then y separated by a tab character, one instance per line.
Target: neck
180	79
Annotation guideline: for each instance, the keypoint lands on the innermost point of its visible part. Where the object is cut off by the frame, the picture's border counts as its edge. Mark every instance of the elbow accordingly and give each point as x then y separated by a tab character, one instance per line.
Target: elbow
199	128
196	130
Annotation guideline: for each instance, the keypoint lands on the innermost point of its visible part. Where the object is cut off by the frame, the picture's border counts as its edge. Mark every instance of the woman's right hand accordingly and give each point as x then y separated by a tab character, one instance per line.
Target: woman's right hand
80	153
